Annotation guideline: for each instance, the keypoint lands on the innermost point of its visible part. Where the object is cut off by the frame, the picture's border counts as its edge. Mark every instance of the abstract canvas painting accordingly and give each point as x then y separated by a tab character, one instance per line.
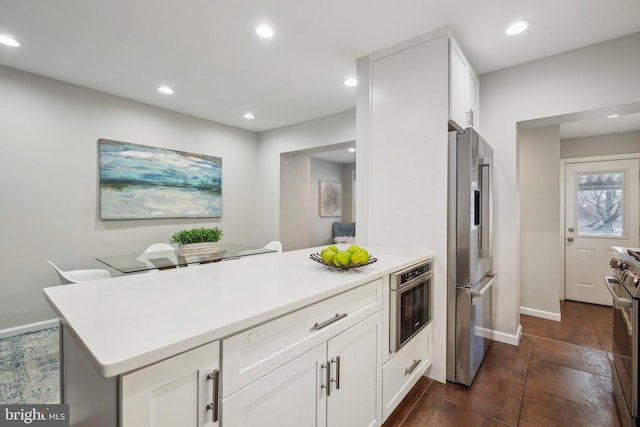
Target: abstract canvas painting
330	198
137	181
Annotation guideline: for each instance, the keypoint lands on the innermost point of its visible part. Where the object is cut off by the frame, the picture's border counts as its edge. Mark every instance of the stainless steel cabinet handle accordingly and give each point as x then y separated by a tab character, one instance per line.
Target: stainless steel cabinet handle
317	326
337	378
413	367
327	377
213	406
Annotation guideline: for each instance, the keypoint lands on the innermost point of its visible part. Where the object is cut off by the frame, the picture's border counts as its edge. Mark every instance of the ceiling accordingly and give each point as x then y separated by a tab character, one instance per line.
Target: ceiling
601	126
207	50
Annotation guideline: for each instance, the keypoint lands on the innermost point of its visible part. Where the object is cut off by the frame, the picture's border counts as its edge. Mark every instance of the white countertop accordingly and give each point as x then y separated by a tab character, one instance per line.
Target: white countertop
128	322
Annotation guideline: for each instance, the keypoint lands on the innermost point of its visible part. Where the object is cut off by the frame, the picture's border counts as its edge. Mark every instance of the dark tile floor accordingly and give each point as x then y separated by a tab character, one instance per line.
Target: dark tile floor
559	375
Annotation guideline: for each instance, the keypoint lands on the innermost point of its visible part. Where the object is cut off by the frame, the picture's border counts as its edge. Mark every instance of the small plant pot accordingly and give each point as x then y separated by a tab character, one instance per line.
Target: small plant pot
198	249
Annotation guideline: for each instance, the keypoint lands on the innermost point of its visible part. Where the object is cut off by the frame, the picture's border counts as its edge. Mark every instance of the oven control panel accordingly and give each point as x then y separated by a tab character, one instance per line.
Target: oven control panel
400	278
416	272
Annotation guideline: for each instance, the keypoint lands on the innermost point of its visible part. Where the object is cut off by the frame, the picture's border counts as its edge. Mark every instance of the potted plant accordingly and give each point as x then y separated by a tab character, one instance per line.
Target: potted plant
197	241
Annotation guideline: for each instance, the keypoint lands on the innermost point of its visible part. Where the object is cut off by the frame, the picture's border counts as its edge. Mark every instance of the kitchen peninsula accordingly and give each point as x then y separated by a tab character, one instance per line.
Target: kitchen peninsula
273	339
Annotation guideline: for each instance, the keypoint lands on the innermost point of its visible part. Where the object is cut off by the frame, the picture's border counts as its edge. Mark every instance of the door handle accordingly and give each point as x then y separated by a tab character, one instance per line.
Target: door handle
336	380
214	407
622	302
569	239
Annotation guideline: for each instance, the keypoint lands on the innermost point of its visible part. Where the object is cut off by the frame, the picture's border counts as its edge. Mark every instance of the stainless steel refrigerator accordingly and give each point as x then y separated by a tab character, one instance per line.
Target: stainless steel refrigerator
469	266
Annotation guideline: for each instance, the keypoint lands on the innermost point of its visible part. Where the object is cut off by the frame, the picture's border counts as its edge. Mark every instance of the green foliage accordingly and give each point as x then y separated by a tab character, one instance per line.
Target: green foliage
197	235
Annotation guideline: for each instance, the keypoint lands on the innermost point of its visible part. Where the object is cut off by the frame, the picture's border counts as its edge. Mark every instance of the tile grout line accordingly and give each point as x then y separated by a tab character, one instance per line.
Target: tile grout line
524	383
479	412
422	392
606	353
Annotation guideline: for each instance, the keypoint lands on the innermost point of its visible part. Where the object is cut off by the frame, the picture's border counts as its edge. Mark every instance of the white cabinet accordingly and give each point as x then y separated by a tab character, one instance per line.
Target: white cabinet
288	396
355	362
180	391
404	369
251	354
336	383
463	89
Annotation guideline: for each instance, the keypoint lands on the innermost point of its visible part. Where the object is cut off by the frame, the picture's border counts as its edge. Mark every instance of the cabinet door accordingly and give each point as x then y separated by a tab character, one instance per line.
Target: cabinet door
457	86
356	366
472	104
291	396
173	393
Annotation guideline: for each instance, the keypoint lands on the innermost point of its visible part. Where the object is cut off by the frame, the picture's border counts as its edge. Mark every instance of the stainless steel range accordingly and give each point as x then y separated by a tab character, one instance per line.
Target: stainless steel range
624	287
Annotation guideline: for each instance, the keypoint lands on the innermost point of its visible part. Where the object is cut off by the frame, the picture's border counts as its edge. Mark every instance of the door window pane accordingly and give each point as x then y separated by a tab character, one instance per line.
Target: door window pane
600	204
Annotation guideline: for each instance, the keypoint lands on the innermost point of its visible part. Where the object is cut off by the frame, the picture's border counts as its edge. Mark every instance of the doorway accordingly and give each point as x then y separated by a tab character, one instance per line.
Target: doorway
600	211
301	225
544	147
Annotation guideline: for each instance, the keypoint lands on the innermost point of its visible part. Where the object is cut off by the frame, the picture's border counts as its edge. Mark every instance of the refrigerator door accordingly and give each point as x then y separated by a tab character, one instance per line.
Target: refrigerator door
473	328
473	208
470	246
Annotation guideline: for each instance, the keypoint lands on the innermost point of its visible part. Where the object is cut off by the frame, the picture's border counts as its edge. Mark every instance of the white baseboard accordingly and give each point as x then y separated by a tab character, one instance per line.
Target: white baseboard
539	313
503	337
31	327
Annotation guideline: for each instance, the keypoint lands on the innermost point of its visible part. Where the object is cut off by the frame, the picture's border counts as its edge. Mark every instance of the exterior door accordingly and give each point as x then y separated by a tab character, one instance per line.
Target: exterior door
601	211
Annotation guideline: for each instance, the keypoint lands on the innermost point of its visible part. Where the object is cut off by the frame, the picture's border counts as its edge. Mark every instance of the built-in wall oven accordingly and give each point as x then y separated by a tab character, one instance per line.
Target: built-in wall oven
410	302
624	287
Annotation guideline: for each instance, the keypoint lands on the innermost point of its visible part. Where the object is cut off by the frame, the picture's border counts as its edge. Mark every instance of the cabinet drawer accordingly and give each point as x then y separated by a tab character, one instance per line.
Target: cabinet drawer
252	354
404	369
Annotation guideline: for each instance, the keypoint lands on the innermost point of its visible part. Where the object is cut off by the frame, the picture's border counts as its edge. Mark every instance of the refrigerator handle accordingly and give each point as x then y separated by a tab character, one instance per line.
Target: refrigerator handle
485	183
488	283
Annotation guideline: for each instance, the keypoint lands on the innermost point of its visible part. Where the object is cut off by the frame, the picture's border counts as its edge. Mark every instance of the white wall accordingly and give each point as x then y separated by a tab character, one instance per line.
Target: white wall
600	145
295	206
334	129
585	79
49	163
540	221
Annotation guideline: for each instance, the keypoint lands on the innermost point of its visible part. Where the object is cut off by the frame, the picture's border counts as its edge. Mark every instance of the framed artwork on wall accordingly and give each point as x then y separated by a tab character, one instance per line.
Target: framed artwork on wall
330	198
137	181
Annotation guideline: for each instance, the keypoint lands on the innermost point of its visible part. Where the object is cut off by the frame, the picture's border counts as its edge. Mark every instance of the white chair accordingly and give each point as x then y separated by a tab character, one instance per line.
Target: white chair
147	256
275	245
159	247
78	276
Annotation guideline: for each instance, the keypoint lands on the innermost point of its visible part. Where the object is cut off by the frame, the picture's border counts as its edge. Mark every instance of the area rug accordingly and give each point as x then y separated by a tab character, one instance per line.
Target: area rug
29	368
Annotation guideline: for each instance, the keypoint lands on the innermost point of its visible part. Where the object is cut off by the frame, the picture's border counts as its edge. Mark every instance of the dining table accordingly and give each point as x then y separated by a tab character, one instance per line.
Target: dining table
162	260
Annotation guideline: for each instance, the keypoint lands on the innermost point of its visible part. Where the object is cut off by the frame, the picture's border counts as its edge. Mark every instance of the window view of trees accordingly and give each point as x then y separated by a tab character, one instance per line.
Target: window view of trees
600	204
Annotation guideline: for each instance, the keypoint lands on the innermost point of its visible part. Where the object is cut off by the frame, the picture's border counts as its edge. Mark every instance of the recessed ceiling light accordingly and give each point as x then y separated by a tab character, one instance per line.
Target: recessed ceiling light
351	82
9	41
249	116
613	116
517	28
352	150
166	90
264	31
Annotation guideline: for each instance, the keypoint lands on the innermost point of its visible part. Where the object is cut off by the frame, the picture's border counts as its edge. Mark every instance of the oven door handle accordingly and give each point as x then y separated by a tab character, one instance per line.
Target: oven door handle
488	283
622	302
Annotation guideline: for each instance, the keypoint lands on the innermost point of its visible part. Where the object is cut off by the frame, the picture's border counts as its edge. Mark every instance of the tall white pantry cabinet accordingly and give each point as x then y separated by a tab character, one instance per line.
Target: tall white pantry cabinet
409	97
